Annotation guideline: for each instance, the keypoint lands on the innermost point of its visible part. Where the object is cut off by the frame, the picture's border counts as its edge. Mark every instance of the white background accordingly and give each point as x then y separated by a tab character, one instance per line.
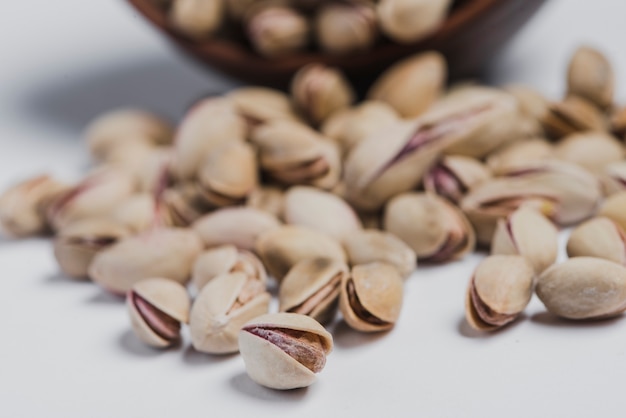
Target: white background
66	349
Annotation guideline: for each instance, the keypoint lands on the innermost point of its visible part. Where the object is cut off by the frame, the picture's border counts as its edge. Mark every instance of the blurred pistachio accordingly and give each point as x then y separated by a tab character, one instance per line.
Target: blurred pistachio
573	114
613	178
408	21
412	85
618	122
590	75
599	237
519	154
533	106
139	212
614	208
318	91
276	30
342	28
435	229
197	19
591	150
270	199
453	175
184	204
226	259
261	104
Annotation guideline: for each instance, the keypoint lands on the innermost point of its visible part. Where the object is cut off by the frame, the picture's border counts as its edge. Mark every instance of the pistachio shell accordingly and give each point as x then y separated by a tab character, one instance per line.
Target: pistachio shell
591	150
614	208
519	154
268	199
226	259
408	21
275	30
532	105
342	28
613	178
230	171
574	114
598	237
583	288
591	76
371	297
221	309
197	19
284	350
454	175
262	104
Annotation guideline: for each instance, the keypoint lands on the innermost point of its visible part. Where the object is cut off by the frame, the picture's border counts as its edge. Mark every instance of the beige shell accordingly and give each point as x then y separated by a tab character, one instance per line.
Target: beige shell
435	229
230	171
262	104
77	244
598	237
238	226
160	252
267	360
408	21
613	178
528	233
157	307
184	204
226	259
583	288
411	86
138	212
519	154
591	150
197	19
532	105
573	114
614	208
370	245
343	28
498	292
454	175
281	248
268	199
321	211
275	30
590	75
221	309
311	288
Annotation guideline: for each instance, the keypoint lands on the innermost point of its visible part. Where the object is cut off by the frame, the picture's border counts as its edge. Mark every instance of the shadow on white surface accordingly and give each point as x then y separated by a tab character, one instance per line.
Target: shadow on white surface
346	337
550	320
130	344
193	357
467	331
244	385
59	278
103	297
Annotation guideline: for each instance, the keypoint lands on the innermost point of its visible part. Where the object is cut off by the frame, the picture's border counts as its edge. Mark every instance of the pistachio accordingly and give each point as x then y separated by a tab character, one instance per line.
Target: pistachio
159	252
408	21
436	230
281	248
184	204
261	104
498	292
600	238
371	297
238	226
222	307
77	244
369	246
22	206
583	288
268	199
318	91
613	178
197	19
614	209
591	76
284	350
574	114
519	154
276	30
411	86
207	125
321	211
590	150
532	105
453	175
121	127
342	28
157	307
311	288
226	259
139	212
528	233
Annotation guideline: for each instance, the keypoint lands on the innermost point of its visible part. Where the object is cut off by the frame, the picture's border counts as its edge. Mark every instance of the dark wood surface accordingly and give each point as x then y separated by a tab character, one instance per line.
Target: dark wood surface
473	33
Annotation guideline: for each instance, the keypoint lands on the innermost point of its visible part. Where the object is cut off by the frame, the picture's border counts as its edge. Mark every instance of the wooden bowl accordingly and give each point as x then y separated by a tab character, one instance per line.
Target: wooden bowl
472	34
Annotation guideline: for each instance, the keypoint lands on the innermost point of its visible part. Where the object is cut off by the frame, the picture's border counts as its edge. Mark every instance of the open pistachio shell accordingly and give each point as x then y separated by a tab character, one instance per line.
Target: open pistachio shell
221	309
598	237
343	28
284	350
498	292
454	175
157	307
275	29
519	154
584	288
226	259
590	75
261	104
591	150
573	114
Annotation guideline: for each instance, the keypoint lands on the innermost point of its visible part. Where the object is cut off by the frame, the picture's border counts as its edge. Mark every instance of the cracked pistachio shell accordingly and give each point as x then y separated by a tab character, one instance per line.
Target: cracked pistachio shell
238	226
350	126
76	245
184	204
454	175
613	178
223	306
583	288
600	238
157	307
343	28
590	150
590	75
280	249
435	229
197	19
230	171
262	104
96	195
519	154
321	211
573	114
528	233
284	350
614	208
226	259
119	128
268	199
371	297
312	288
412	85
159	252
275	30
408	21
318	91
498	292
369	246
209	124
22	205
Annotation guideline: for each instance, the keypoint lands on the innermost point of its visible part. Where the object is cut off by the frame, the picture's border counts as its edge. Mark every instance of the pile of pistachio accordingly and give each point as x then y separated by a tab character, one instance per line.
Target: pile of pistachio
334	202
281	27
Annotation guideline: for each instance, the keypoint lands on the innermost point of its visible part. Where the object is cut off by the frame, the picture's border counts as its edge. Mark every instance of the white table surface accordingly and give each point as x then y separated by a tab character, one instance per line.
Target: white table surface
67	349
